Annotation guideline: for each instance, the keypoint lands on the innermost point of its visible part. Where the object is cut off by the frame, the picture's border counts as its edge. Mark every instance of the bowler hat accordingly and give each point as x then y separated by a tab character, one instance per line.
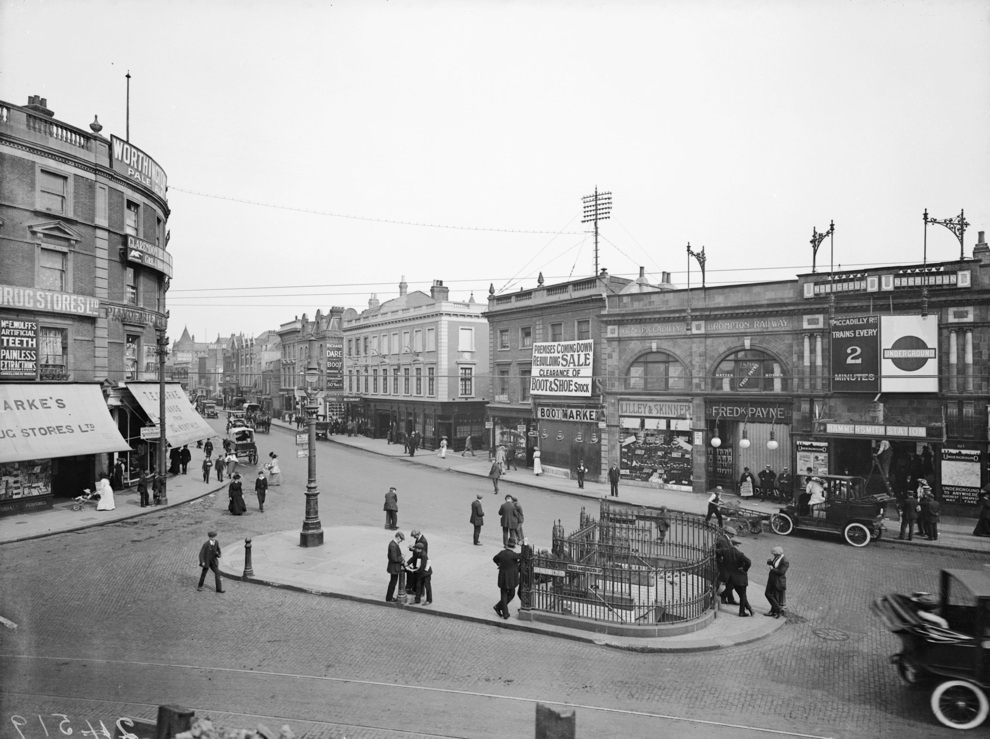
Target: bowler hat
511	543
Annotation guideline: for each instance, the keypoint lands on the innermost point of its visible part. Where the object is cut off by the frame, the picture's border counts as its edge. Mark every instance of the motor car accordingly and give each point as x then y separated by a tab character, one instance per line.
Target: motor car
209	410
945	644
835	503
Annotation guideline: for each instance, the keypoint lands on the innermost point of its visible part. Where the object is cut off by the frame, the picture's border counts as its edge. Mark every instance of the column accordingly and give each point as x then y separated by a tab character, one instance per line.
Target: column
807	361
968	359
818	362
953	366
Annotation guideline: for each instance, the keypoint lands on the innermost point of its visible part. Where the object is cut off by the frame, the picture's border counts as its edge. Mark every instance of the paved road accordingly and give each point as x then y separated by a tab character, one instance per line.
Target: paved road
110	624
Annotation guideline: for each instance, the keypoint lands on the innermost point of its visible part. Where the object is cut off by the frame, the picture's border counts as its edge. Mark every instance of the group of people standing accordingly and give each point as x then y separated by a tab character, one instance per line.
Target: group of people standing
418	568
733	571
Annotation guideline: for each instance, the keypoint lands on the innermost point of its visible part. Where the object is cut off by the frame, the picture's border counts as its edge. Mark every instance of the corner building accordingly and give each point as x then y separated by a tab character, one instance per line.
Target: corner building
82	303
858	373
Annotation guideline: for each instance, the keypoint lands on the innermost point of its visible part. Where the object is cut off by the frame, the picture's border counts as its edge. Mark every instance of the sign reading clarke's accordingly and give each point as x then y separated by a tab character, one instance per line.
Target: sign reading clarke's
562	368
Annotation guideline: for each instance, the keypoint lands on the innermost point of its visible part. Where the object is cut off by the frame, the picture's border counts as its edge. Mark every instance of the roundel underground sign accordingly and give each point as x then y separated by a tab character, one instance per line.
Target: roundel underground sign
909	354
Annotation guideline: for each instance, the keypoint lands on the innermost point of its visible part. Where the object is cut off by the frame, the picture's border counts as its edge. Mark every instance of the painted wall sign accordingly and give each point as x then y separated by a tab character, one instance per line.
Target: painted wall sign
655	408
749	324
18	348
855	354
909	354
582	415
48	301
146	253
754	412
136	316
131	162
562	368
960	475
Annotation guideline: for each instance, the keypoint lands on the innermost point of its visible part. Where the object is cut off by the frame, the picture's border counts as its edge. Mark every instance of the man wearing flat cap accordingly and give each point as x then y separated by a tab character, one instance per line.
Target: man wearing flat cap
209	559
508	576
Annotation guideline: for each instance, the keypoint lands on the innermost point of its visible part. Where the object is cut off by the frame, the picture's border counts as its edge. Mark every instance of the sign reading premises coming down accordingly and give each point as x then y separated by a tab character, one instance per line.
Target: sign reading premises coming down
562	368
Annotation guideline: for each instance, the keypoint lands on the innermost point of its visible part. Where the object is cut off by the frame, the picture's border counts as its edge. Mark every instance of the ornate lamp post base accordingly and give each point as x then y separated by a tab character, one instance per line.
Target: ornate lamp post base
311	538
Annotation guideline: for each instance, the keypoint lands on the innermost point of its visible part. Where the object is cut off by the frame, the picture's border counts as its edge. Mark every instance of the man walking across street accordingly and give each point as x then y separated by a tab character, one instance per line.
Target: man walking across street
477	519
209	559
395	562
207	469
391	509
508	577
218	465
261	489
495	473
613	481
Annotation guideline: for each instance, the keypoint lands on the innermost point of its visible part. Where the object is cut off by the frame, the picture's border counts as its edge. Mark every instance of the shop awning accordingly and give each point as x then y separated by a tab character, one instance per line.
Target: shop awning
183	425
45	420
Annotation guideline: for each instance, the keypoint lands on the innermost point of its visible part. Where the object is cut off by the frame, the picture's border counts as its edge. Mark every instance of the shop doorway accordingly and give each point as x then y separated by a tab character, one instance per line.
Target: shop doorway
71	475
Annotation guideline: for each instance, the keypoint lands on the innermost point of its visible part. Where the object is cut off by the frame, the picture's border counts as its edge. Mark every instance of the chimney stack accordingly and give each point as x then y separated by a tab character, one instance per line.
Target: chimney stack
981	250
39	105
438	292
373	301
403	287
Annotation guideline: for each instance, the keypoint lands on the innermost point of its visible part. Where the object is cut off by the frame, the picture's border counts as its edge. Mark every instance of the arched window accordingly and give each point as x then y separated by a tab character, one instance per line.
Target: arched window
749	371
656	371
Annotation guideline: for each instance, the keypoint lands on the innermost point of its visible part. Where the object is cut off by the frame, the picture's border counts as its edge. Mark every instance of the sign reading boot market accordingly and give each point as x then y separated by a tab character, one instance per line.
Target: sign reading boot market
562	368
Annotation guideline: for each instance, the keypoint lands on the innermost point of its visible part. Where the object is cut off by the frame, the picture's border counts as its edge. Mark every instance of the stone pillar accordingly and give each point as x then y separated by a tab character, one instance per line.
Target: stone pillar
807	362
818	363
968	359
953	367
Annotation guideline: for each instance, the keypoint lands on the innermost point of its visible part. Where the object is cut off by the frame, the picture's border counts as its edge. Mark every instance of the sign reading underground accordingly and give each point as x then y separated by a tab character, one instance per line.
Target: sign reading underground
890	354
562	368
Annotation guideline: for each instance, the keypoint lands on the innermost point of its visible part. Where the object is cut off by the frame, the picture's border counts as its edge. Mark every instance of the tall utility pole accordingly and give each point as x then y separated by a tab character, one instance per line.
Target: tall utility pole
597	207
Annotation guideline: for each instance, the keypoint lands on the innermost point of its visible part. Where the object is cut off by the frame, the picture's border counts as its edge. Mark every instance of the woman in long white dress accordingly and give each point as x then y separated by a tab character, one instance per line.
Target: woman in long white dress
274	471
537	464
106	502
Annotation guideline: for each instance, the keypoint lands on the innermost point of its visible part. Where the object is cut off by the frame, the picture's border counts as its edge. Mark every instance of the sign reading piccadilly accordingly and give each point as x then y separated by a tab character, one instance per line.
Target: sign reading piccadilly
134	164
18	348
855	360
562	368
29	298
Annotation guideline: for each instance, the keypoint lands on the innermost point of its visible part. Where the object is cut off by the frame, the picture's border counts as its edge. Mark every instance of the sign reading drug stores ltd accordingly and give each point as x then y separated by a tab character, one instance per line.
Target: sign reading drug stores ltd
562	368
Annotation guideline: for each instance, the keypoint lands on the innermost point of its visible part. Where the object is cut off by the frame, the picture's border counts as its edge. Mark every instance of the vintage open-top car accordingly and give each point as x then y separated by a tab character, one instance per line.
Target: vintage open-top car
945	643
835	503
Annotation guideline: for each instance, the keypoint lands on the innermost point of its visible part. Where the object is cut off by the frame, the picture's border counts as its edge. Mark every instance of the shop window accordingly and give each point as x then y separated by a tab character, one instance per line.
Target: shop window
556	332
656	371
52	353
132	290
53	192
524	376
583	330
525	338
431	339
132	217
467	382
52	269
503	338
431	381
419	381
132	346
749	371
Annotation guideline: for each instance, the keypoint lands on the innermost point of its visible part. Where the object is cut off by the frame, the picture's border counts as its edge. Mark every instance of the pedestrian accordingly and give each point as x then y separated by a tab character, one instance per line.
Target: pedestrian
495	473
422	570
173	460
983	513
413	443
581	471
468	446
477	519
613	481
226	447
931	512
142	487
663	524
395	562
507	515
510	458
391	509
219	466
785	486
418	540
520	518
209	559
725	561
747	483
104	494
207	469
208	448
507	562
500	457
768	483
739	576
777	582
261	490
274	470
922	487
537	463
231	462
909	515
185	457
158	489
117	476
714	500
442	451
235	493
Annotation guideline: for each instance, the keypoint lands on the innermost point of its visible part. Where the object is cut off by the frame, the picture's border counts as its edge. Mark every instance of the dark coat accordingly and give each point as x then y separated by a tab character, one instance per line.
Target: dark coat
260	485
391	501
185	456
614	474
508	513
508	568
208	448
236	493
777	579
395	558
909	509
422	540
209	553
477	513
739	576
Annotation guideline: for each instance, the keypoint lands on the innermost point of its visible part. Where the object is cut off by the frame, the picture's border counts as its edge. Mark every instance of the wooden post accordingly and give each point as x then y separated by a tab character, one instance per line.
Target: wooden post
173	720
553	723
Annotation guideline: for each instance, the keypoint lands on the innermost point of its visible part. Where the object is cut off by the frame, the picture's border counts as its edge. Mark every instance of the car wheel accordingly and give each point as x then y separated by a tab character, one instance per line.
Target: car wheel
876	534
781	524
857	534
959	704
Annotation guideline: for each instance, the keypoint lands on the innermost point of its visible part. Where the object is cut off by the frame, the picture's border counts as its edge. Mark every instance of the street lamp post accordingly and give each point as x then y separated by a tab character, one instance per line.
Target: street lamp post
312	531
162	342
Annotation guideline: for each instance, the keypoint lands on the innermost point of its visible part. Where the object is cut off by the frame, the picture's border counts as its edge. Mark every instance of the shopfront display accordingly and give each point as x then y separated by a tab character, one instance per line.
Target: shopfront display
655	442
25	486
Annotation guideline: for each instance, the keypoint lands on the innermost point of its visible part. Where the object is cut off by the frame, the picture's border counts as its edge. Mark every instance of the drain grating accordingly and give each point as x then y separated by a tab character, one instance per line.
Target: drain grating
830	634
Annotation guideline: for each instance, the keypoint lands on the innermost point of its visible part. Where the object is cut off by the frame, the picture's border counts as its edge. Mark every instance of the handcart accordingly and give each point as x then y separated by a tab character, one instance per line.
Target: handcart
745	519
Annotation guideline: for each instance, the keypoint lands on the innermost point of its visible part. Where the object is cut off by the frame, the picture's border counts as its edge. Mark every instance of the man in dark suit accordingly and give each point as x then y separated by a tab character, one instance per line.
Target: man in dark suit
209	559
412	564
613	480
477	519
739	577
777	581
395	562
391	509
507	512
508	577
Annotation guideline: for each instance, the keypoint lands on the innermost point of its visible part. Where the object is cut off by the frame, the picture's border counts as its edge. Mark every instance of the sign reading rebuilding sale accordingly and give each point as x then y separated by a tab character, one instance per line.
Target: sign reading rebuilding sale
890	354
562	368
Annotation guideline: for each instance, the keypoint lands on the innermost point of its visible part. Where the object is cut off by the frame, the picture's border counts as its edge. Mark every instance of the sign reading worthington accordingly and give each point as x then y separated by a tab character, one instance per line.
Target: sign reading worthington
134	164
18	348
562	368
48	301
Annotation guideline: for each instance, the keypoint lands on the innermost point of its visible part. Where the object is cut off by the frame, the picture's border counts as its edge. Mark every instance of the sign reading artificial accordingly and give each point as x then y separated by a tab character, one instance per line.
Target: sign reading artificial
890	354
562	368
134	164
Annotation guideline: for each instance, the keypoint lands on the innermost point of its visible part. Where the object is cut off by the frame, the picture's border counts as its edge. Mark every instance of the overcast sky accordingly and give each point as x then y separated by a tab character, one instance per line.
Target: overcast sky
316	153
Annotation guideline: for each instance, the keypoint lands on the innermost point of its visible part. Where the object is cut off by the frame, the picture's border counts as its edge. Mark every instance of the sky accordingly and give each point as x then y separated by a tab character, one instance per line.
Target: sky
318	153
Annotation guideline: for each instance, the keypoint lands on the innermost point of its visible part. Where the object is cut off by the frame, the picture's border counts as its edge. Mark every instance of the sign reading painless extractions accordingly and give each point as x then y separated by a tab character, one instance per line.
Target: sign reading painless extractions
562	368
18	348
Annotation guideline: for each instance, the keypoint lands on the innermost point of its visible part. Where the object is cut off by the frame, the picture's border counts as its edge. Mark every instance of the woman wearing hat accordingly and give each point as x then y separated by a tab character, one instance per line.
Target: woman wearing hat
235	492
442	451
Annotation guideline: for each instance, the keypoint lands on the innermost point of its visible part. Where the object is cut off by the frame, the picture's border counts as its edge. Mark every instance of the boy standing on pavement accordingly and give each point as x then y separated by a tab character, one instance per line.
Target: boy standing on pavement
261	490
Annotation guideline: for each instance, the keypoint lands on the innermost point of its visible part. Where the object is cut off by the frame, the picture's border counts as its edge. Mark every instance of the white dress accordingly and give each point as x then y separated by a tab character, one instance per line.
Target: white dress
537	464
106	501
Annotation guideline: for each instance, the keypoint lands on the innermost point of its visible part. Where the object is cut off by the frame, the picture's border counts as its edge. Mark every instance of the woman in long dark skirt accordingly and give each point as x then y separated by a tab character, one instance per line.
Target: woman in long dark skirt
236	493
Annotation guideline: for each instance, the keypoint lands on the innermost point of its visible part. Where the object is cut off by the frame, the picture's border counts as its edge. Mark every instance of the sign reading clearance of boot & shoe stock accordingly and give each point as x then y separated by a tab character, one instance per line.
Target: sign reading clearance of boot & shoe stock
562	368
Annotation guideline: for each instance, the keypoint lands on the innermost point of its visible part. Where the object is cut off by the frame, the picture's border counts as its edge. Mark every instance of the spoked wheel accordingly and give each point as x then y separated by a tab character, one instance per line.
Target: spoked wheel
781	524
755	526
857	534
960	704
